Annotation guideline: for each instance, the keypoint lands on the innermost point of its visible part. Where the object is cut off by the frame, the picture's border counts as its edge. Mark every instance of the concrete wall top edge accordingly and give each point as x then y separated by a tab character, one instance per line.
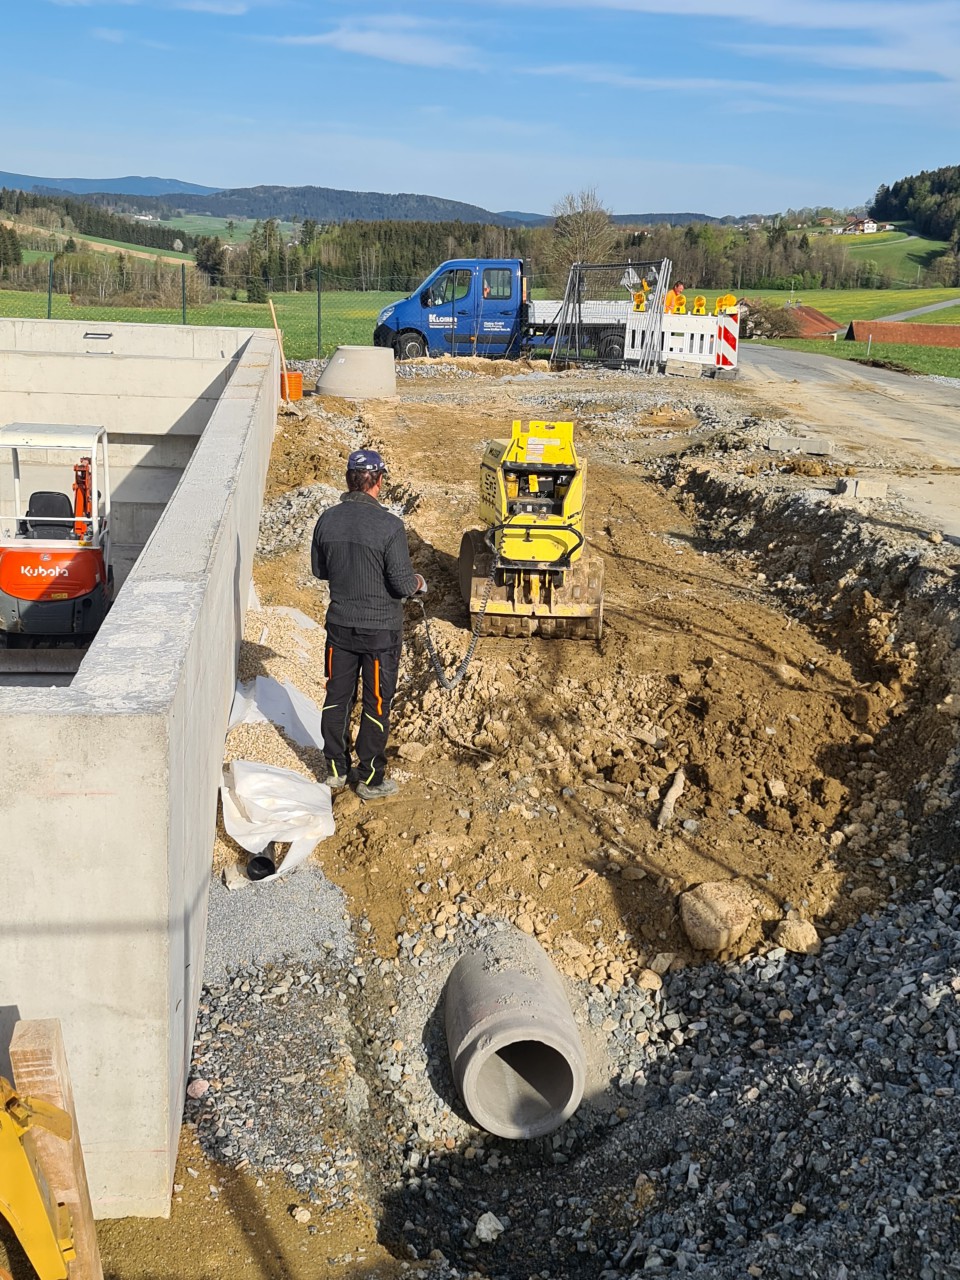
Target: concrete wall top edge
125	338
134	664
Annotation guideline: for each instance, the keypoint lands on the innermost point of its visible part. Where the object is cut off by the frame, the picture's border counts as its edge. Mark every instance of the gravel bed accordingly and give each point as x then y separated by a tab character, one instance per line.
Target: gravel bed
298	917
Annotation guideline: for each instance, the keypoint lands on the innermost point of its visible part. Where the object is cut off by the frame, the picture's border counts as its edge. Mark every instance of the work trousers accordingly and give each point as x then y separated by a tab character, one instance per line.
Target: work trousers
349	661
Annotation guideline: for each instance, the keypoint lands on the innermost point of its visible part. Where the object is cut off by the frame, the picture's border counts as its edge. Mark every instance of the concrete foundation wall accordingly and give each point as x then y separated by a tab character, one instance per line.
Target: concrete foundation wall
109	801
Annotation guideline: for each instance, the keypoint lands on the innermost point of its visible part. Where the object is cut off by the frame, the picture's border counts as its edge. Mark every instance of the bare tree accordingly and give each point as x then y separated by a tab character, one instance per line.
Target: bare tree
582	231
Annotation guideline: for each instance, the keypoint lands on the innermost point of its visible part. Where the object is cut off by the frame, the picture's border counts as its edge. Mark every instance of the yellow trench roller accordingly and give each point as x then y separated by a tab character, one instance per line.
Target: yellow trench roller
544	582
40	1224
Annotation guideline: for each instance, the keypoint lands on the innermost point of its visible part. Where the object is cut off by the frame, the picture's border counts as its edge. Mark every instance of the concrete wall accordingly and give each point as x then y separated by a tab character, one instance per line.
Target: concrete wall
109	801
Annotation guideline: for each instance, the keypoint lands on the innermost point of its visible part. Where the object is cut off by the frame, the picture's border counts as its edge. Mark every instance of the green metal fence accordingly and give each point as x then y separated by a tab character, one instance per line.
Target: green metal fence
313	321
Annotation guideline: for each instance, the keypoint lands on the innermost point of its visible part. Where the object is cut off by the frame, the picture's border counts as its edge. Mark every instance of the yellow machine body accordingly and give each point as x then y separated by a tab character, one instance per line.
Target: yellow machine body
40	1224
532	493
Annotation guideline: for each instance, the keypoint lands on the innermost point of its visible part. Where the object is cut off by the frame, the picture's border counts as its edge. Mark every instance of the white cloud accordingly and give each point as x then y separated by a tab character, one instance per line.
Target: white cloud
823	15
740	94
112	35
222	8
390	39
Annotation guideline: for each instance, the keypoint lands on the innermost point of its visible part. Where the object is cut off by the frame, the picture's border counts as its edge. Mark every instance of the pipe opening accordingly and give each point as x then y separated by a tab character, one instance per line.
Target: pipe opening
524	1086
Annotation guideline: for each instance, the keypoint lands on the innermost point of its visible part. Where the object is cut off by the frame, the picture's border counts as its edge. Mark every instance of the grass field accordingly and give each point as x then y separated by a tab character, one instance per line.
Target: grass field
937	360
949	315
345	317
906	256
202	224
844	305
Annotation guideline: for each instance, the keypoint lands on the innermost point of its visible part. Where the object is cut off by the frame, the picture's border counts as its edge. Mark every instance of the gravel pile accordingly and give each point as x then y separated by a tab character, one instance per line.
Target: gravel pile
788	1116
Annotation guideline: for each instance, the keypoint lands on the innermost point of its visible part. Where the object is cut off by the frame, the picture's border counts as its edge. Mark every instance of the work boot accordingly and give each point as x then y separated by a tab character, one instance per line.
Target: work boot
337	780
379	792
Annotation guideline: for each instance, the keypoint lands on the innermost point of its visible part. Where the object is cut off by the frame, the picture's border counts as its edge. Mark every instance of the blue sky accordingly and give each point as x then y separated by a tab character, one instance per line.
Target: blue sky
712	106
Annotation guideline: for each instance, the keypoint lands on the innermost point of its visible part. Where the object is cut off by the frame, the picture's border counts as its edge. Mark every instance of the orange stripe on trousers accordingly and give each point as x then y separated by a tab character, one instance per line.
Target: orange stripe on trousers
376	686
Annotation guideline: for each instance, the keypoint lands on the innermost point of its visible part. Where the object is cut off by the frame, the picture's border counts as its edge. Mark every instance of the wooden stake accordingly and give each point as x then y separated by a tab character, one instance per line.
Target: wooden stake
283	359
39	1064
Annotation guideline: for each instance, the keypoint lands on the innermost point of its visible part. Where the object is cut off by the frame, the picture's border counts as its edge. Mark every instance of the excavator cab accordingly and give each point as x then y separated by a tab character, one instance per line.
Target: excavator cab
56	577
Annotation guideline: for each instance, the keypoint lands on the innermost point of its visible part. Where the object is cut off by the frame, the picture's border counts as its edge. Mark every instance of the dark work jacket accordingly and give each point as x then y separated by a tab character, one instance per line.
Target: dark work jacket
360	548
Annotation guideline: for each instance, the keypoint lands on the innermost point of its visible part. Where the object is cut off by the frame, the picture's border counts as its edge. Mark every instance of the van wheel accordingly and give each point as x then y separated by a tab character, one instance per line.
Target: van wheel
610	347
410	346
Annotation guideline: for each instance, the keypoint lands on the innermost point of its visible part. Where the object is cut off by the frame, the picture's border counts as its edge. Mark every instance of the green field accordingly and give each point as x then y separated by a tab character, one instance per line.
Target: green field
949	315
906	256
938	360
347	317
202	224
844	305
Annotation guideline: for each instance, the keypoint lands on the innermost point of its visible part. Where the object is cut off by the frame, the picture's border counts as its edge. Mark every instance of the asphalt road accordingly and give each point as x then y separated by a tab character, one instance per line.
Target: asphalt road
904	429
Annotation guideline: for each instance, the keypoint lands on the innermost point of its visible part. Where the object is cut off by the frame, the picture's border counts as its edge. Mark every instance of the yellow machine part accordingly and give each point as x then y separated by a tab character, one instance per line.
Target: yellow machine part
40	1224
532	489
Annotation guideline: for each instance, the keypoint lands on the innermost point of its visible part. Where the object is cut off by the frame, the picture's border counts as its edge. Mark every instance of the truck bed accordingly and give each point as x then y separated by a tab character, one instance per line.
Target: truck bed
548	312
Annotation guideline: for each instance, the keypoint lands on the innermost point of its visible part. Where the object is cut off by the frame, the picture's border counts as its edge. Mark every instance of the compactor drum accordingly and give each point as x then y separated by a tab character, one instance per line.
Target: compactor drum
527	572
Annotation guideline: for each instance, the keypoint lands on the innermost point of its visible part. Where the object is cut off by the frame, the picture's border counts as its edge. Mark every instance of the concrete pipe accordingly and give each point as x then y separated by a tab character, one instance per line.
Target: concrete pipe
516	1053
359	373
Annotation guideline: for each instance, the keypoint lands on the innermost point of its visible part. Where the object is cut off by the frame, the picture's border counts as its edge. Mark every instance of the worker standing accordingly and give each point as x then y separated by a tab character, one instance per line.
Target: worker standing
361	550
675	303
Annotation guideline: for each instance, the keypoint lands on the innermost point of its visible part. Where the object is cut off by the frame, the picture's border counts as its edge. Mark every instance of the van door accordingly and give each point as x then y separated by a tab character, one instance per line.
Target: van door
451	312
499	305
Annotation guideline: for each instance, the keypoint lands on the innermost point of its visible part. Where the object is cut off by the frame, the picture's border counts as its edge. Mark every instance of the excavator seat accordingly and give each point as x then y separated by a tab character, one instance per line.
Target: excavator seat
53	513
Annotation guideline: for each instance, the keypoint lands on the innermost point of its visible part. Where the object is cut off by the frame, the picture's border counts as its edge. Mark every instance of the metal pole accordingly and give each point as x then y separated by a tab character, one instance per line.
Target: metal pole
319	311
869	342
50	290
183	290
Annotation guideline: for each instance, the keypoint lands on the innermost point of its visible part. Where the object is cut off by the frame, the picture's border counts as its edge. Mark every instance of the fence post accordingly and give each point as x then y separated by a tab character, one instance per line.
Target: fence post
50	290
319	312
183	290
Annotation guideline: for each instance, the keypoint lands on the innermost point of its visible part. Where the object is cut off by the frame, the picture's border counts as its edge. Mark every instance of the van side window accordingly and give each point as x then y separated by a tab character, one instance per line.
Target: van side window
498	283
449	288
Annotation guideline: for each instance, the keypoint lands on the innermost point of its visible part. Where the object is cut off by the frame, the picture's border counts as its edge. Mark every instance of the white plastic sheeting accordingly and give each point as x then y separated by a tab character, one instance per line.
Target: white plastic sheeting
262	803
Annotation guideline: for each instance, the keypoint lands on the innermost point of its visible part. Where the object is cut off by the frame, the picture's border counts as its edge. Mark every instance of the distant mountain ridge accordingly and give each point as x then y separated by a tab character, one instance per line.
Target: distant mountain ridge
163	197
130	186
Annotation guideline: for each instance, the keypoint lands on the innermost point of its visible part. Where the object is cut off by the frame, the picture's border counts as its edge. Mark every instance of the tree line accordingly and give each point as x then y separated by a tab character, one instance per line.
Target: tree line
930	200
397	256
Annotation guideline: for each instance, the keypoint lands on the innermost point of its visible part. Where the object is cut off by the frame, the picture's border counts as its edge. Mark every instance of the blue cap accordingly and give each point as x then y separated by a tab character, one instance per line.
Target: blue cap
366	460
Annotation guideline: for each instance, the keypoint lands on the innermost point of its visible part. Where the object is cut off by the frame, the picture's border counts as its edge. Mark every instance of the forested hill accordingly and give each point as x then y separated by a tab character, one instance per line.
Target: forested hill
930	200
331	205
323	204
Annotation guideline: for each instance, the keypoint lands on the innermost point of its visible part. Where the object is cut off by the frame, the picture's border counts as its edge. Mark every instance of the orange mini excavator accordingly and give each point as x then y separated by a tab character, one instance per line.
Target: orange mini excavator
56	579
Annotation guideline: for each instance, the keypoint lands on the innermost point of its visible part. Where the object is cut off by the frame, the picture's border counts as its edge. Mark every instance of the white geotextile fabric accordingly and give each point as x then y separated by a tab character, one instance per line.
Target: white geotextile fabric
265	700
262	803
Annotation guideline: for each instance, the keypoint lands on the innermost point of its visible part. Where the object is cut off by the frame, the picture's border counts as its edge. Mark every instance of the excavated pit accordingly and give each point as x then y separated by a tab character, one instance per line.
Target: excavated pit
797	658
